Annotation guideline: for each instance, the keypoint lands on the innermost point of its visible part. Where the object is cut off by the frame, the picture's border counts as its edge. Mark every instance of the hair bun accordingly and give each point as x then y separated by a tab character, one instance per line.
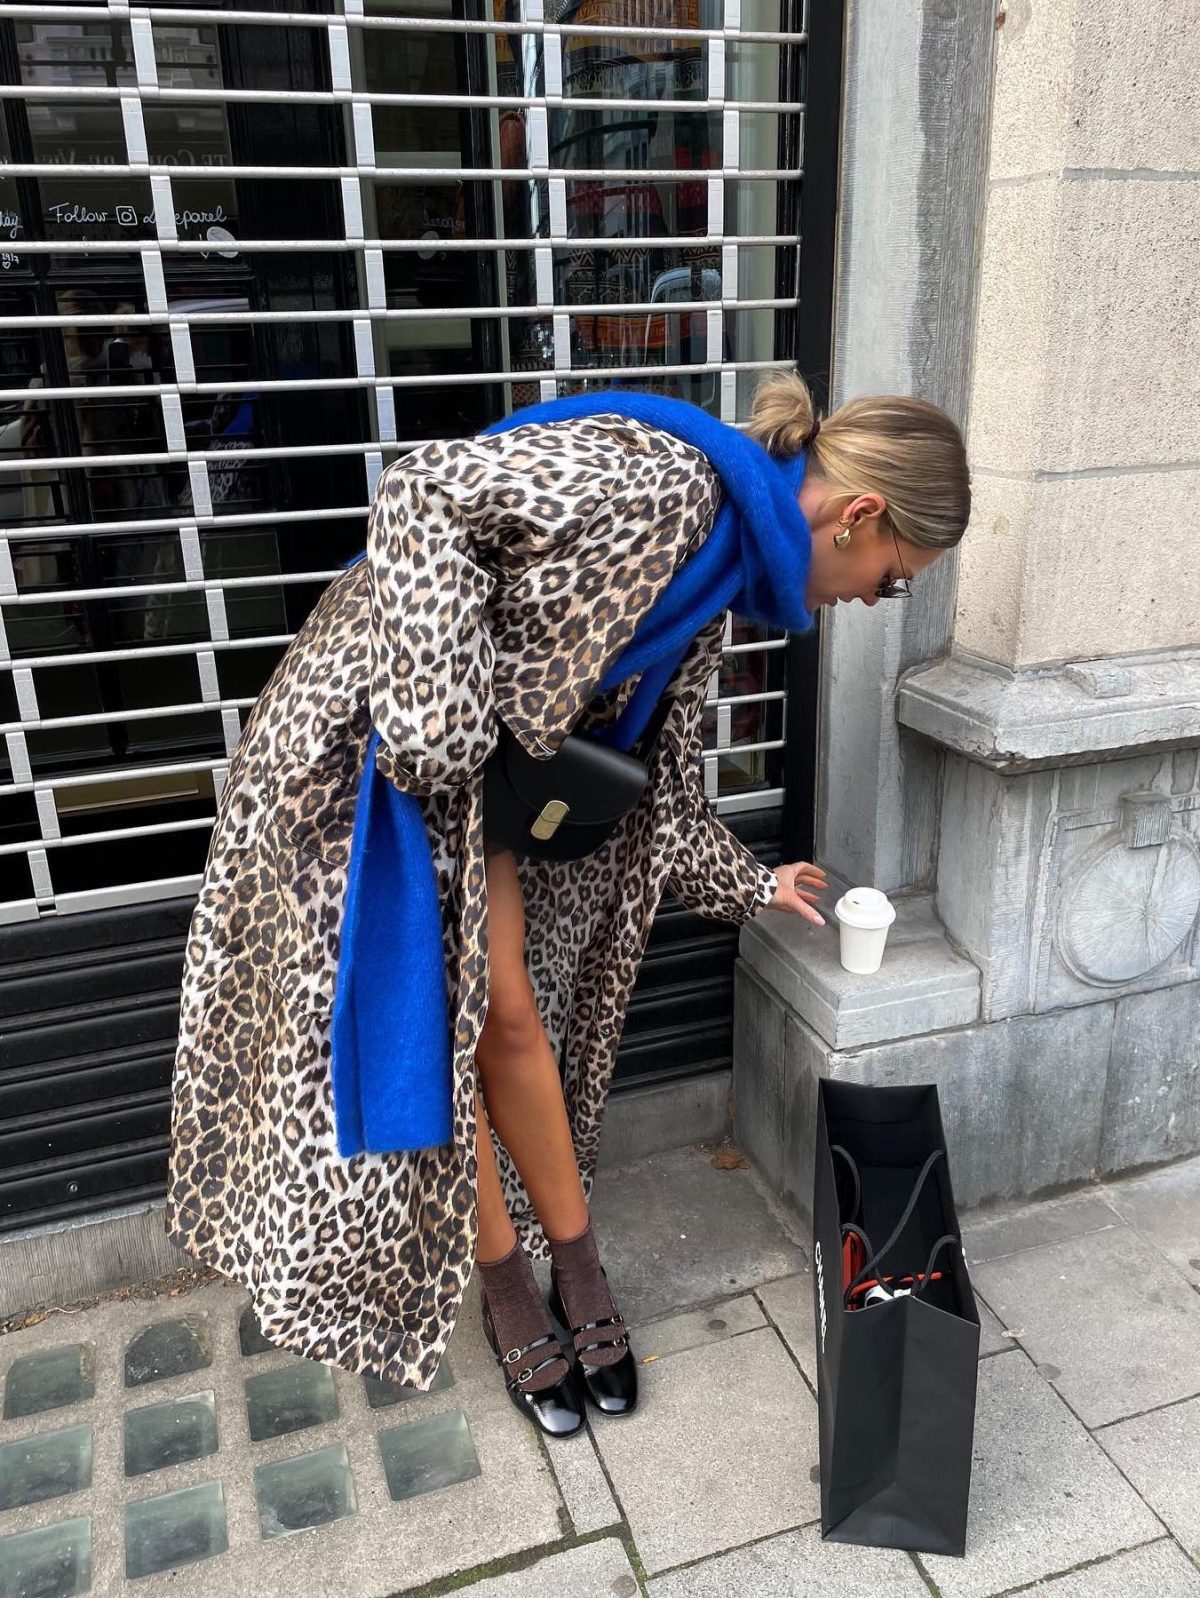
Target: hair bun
783	418
906	450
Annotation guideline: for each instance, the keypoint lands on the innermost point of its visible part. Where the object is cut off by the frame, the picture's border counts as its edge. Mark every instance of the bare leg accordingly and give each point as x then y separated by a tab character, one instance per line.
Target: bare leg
521	1084
512	1299
496	1234
523	1090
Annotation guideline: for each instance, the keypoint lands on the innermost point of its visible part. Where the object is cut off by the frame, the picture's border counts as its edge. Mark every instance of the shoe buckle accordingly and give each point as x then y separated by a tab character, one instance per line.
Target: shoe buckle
513	1356
523	1376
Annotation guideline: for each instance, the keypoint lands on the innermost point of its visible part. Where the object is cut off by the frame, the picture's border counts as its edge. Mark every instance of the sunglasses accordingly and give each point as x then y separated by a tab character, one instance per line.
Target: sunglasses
895	587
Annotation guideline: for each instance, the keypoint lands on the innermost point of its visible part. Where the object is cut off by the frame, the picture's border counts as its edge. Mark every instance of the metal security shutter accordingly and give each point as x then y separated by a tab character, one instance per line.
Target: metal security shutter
248	255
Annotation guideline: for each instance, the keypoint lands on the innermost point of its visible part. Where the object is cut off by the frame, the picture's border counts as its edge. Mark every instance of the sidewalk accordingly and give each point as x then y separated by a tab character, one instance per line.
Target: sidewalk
1087	1460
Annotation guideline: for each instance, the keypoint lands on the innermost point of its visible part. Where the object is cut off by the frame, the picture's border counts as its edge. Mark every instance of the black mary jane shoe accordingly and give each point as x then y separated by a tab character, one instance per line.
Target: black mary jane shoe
612	1388
556	1410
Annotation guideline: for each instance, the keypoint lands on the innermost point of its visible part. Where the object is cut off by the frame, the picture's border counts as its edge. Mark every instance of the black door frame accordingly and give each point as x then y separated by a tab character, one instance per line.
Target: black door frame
819	86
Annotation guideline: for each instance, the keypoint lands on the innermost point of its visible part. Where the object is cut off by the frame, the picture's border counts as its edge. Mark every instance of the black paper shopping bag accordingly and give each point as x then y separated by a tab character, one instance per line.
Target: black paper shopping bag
896	1325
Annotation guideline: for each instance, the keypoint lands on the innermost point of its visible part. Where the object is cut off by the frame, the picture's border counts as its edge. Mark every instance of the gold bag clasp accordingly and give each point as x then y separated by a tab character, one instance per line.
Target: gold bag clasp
547	823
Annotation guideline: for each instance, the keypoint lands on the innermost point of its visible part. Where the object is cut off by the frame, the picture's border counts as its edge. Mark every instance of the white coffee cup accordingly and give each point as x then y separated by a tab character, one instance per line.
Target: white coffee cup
864	916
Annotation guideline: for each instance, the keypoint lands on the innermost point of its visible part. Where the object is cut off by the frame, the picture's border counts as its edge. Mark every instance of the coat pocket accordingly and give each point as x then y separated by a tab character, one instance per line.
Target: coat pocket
313	804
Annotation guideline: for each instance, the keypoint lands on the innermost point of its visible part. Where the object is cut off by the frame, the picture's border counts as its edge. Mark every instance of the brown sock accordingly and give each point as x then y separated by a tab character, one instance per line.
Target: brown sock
585	1294
519	1314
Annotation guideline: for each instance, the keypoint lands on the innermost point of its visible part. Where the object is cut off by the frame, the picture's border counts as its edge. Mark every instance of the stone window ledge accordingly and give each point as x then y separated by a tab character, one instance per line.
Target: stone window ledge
923	985
1072	714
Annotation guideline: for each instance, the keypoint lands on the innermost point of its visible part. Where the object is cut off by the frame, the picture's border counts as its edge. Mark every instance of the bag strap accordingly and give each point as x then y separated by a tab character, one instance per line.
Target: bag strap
849	1230
836	1148
937	1248
913	1197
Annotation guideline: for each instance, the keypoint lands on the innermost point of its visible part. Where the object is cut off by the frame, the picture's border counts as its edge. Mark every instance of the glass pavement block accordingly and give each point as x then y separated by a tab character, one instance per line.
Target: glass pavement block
45	1466
250	1337
168	1348
381	1395
428	1454
175	1529
50	1380
170	1434
289	1399
304	1491
52	1562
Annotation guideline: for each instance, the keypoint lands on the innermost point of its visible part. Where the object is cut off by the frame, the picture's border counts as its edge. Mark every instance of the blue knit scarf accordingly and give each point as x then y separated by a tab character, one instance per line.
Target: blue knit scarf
392	1046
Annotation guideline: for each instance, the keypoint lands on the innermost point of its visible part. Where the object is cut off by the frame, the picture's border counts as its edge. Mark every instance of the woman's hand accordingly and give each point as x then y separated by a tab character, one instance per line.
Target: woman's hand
800	886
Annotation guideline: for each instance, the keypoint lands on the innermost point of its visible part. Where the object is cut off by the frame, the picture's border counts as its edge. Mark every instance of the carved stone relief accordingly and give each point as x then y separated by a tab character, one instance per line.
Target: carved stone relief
1127	898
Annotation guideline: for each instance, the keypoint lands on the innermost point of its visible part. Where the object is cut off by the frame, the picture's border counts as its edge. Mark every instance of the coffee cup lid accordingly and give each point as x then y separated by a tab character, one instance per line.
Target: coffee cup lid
868	908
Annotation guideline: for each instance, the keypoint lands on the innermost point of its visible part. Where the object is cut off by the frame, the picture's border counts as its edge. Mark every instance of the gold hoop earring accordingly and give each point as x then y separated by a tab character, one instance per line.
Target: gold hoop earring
843	538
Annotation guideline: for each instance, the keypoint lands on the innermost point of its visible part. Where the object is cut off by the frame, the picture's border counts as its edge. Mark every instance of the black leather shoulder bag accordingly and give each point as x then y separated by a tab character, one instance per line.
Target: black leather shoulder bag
566	805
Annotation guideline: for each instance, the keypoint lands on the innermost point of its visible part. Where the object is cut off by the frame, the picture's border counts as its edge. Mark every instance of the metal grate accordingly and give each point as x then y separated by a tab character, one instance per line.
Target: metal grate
248	256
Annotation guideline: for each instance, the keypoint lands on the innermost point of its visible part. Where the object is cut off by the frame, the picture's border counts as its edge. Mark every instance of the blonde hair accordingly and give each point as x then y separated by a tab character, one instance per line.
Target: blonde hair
905	449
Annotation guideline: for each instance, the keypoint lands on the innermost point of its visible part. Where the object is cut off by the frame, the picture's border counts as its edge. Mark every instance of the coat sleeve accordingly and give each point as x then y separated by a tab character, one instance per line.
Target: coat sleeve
713	873
463	538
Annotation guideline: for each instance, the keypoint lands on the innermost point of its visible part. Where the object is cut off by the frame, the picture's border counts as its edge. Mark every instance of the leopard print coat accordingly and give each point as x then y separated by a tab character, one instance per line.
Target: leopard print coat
503	575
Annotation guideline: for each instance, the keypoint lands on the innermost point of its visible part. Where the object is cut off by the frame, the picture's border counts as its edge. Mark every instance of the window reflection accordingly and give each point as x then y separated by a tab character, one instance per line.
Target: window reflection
75	54
186	57
109	357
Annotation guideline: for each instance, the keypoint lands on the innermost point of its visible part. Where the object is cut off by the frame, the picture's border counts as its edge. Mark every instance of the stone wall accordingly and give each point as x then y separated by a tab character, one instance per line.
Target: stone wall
1085	400
1031	790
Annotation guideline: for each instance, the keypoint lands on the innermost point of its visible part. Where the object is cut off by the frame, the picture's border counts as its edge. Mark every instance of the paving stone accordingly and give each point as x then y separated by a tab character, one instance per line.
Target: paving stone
157	1435
1044	1497
718	1457
166	1349
597	1570
794	1564
49	1379
305	1491
675	1232
174	1529
46	1465
1160	1453
510	1506
677	1332
381	1395
50	1562
1159	1571
1164	1206
385	1547
582	1483
719	1451
289	1399
991	1332
427	1454
1011	1228
1149	1353
789	1303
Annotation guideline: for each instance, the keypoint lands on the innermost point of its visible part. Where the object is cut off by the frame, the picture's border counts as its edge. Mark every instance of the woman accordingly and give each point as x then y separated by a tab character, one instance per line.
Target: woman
503	573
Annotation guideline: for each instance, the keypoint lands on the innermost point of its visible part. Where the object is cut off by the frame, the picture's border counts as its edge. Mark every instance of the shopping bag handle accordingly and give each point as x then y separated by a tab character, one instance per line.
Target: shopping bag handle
848	1227
913	1197
937	1248
836	1148
922	1278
